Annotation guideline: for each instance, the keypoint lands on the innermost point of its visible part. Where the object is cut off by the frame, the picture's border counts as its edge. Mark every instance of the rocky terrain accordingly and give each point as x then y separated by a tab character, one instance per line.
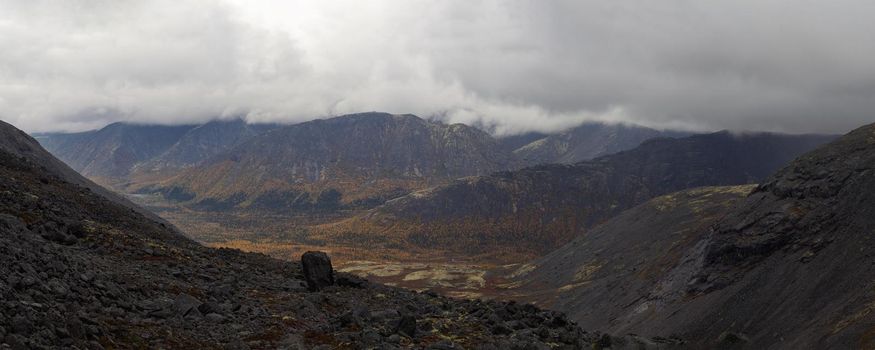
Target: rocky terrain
596	275
535	210
80	271
787	267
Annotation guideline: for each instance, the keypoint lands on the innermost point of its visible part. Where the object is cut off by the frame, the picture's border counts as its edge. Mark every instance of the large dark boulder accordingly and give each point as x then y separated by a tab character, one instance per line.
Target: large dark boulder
317	270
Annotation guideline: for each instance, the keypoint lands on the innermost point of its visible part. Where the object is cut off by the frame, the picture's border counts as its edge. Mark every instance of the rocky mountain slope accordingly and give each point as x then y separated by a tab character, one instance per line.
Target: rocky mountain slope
202	142
351	160
595	275
80	271
587	141
122	153
22	145
113	151
535	210
788	267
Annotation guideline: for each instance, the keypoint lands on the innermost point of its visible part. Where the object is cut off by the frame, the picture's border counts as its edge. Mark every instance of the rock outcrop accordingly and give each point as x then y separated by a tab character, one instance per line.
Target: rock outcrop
317	270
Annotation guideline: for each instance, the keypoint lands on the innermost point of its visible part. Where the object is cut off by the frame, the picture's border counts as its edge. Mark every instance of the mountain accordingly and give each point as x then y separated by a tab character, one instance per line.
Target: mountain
788	267
354	160
586	141
123	154
113	151
16	143
80	271
510	143
535	210
203	142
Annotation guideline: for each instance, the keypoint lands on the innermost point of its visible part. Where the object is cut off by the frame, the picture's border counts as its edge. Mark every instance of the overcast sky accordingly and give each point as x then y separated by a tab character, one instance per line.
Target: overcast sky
782	65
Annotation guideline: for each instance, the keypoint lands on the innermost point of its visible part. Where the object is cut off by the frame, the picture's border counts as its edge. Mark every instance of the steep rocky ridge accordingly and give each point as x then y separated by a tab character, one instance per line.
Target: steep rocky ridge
597	275
535	210
19	144
788	267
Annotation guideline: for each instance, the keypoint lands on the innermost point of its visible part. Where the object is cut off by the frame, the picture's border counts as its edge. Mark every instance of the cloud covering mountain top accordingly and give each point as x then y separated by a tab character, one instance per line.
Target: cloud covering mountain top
794	66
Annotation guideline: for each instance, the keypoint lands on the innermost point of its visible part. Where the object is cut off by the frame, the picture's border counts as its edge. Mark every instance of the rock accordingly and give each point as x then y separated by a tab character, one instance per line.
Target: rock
185	305
444	345
295	286
351	281
317	270
501	329
407	325
209	308
16	342
214	318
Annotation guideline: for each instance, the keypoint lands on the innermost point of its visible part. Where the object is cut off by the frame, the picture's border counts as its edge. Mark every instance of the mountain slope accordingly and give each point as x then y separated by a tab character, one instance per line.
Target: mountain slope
613	265
204	141
80	271
113	151
537	209
588	141
332	162
788	267
16	143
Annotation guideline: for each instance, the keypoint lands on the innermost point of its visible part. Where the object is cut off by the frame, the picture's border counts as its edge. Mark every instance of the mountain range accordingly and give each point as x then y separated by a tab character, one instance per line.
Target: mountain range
348	162
537	209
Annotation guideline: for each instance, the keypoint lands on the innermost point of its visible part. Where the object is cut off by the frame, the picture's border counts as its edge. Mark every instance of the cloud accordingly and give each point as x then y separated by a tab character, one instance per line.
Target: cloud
516	65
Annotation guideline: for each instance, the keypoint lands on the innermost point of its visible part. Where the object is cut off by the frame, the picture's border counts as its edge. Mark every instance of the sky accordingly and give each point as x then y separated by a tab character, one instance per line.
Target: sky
514	66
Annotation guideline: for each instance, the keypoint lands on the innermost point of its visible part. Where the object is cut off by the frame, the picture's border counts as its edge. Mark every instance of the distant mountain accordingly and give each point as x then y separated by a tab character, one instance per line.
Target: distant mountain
788	267
113	151
121	152
586	141
353	160
80	271
537	209
202	142
510	143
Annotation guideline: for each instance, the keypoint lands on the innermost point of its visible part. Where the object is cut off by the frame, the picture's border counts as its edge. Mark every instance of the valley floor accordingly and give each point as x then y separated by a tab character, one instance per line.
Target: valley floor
286	237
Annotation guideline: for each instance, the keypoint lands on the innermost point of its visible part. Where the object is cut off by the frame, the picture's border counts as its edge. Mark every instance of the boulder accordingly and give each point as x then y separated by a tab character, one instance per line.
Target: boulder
317	270
407	325
185	304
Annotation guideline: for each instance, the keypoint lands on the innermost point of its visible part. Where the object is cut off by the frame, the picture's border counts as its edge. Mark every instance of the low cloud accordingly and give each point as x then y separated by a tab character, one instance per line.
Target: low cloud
794	66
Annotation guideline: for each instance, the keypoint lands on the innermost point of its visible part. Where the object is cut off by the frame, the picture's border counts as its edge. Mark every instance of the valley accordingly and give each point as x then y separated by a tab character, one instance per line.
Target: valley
460	237
437	175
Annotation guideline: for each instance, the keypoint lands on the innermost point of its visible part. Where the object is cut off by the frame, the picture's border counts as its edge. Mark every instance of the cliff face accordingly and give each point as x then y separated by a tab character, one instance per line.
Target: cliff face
537	209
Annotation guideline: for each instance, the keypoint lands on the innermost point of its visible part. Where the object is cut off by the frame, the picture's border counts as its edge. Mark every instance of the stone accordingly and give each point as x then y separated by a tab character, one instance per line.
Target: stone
185	304
351	281
407	325
214	318
317	270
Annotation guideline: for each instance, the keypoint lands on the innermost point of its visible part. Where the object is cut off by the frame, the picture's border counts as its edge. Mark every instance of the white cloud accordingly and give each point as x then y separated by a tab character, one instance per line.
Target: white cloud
517	65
